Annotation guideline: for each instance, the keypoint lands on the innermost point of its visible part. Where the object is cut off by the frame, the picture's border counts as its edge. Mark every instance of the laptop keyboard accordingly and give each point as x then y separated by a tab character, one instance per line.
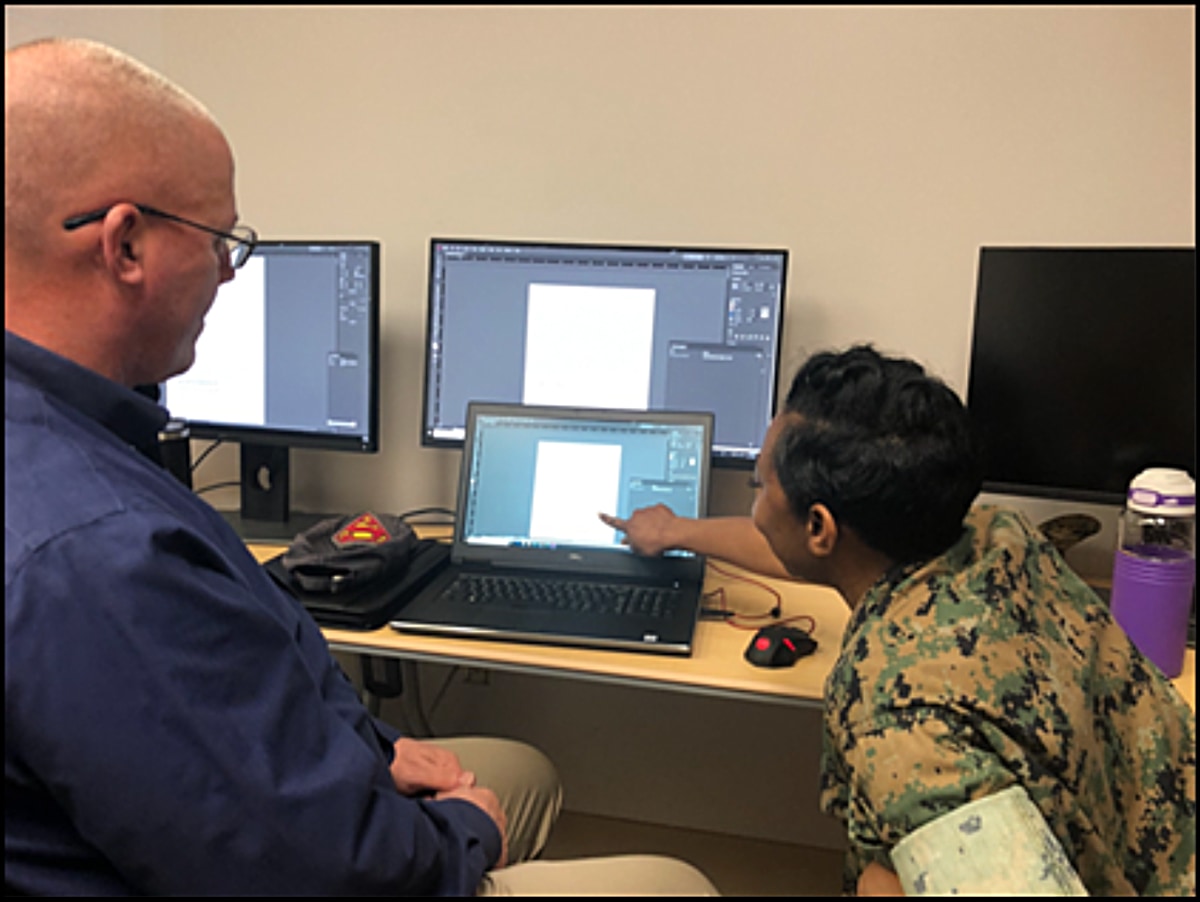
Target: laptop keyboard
522	593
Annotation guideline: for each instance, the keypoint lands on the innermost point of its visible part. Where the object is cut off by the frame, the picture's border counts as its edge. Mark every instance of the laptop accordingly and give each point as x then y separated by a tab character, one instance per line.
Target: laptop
531	561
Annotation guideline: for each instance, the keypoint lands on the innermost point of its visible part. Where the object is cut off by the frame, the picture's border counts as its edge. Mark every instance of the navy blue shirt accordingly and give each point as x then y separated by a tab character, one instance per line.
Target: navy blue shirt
174	723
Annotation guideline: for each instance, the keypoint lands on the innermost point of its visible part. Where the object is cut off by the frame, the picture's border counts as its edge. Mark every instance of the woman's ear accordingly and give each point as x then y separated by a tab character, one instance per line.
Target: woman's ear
821	531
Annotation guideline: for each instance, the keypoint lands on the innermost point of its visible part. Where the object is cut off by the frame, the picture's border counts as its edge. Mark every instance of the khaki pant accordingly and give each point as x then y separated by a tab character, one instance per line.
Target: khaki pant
528	788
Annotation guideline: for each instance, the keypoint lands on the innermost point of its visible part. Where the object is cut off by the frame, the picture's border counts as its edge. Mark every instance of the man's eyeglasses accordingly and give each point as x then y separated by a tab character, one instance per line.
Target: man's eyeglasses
239	243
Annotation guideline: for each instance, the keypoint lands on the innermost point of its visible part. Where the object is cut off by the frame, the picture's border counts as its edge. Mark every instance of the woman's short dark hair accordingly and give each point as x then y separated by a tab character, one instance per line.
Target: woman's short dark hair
888	448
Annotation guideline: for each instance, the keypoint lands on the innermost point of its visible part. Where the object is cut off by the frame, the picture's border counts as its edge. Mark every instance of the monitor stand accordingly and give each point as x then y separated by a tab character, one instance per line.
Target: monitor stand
266	513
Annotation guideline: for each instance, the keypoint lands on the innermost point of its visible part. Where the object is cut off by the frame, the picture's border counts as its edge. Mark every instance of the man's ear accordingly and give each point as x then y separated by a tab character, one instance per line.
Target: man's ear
821	531
123	236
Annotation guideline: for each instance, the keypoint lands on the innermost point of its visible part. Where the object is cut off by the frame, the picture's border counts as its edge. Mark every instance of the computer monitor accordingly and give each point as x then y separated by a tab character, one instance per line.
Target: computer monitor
1083	368
289	357
605	326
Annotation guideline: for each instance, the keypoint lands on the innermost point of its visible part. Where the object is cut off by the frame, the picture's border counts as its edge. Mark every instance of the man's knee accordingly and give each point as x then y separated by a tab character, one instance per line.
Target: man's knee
505	762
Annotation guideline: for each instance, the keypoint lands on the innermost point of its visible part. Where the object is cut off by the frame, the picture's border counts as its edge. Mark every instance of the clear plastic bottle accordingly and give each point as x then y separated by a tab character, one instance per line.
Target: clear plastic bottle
1154	569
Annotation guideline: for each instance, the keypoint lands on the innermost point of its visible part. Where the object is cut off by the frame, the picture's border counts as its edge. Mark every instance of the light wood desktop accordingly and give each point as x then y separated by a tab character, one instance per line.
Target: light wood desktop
716	667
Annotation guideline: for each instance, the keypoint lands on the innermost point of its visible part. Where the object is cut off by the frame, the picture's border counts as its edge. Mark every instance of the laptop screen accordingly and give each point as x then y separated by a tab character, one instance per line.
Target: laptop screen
536	477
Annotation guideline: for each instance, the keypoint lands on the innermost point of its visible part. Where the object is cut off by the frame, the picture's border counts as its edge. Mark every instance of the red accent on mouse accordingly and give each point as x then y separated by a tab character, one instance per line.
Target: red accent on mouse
779	646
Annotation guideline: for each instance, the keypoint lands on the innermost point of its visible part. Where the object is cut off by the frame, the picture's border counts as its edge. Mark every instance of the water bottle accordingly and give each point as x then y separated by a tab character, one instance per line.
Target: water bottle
1154	570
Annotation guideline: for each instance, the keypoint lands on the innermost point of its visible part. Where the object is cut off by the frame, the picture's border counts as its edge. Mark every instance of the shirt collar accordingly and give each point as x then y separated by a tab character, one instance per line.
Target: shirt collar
984	528
132	417
877	598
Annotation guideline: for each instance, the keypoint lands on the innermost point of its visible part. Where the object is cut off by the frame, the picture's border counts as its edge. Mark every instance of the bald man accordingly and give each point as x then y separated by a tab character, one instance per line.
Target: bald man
174	723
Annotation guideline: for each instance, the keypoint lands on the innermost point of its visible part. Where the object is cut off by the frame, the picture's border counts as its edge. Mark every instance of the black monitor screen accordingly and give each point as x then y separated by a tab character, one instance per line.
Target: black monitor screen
1083	368
289	352
605	326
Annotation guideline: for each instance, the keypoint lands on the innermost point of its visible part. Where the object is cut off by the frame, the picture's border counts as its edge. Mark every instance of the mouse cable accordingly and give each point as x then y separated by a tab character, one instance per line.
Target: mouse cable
776	610
732	617
720	612
809	626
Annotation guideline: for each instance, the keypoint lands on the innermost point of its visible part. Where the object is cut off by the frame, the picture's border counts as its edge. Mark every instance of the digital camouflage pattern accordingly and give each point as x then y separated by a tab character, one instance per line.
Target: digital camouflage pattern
995	664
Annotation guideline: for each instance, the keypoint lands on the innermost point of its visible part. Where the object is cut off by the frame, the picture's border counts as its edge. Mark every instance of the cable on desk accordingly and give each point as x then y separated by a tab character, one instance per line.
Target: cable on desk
733	618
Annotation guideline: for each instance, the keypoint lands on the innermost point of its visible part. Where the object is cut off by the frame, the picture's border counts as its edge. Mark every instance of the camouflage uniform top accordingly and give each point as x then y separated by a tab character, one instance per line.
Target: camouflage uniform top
995	664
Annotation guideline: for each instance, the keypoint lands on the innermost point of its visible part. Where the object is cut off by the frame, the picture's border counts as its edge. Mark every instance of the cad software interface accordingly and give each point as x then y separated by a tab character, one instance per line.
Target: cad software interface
540	483
605	327
286	345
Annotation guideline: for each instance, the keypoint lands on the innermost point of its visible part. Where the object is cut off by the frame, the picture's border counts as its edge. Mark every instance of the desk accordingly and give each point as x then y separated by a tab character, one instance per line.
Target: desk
715	668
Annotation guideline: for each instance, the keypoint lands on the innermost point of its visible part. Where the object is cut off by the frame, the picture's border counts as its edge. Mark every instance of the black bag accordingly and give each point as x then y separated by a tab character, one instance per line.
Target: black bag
356	572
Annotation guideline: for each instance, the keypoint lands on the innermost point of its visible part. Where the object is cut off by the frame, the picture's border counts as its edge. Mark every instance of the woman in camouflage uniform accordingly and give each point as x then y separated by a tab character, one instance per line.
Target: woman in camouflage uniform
974	658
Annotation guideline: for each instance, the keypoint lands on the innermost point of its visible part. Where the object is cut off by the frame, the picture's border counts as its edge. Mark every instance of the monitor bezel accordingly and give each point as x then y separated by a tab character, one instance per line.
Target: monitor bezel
1001	481
720	460
615	559
366	442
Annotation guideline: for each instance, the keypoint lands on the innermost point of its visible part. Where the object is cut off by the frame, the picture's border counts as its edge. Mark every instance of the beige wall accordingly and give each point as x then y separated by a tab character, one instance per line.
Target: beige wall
883	146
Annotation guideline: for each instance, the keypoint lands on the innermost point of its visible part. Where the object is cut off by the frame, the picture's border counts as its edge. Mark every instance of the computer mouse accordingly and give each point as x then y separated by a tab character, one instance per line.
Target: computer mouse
779	646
